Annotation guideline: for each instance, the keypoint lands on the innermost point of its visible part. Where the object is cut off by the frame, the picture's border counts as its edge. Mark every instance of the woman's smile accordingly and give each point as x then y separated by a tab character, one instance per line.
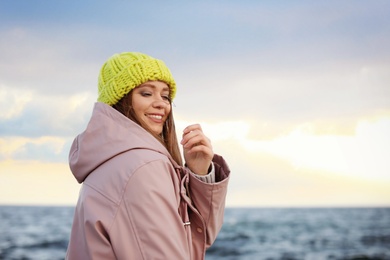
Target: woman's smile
154	117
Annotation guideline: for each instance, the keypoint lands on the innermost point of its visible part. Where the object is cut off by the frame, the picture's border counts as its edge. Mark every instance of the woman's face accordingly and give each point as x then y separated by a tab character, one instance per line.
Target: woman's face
151	103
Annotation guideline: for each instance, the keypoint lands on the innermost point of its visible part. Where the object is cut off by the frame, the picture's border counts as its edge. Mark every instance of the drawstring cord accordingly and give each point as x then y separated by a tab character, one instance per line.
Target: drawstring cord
184	195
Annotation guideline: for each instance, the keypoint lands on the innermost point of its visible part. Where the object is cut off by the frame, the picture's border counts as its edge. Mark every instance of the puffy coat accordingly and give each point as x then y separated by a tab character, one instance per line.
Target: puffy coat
135	201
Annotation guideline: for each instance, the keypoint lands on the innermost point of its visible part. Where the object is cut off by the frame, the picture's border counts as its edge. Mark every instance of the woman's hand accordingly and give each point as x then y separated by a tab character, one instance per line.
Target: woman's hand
197	149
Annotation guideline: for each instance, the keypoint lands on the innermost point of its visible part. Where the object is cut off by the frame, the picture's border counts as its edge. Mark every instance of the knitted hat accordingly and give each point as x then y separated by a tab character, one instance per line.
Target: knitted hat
123	72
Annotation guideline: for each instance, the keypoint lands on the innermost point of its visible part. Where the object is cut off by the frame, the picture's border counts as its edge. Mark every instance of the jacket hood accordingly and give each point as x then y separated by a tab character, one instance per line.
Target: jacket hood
108	134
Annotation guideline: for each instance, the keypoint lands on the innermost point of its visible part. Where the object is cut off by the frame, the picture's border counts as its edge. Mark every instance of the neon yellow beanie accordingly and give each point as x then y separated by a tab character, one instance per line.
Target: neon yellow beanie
124	71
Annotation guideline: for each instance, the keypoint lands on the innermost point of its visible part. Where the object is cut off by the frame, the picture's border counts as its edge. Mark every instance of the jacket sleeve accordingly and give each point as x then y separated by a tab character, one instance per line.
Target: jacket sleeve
151	204
209	199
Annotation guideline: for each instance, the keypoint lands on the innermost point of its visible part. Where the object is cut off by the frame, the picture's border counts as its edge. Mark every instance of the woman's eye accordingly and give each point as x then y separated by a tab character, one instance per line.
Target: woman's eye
146	94
167	98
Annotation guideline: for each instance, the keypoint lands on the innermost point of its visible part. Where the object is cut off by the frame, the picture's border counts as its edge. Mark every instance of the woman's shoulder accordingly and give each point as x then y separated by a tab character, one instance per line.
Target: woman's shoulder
113	176
142	156
140	159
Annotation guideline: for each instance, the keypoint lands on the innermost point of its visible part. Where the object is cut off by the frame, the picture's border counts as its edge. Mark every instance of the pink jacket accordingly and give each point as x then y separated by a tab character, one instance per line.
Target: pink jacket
135	201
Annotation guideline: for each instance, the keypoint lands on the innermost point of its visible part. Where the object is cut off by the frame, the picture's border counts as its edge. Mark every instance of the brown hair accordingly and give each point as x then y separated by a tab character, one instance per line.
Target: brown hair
168	136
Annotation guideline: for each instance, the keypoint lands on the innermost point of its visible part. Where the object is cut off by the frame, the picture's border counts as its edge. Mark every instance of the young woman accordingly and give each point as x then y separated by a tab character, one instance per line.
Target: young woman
137	201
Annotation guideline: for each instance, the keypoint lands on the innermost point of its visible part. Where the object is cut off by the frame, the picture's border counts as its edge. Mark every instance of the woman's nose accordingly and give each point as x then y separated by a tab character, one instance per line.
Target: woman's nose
160	103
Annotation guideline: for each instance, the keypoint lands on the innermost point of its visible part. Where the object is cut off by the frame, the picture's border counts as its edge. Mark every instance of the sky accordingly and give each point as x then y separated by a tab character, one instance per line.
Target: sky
295	95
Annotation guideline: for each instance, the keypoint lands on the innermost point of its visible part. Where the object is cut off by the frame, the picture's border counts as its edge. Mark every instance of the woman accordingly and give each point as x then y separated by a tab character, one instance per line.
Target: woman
137	201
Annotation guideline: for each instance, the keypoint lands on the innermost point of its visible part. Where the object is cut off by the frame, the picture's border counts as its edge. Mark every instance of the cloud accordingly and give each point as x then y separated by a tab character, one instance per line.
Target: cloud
361	156
34	115
276	102
57	66
41	149
12	103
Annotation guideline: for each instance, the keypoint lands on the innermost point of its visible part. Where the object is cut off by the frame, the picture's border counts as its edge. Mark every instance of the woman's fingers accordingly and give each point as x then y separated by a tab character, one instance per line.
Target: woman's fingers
192	128
197	149
195	138
193	134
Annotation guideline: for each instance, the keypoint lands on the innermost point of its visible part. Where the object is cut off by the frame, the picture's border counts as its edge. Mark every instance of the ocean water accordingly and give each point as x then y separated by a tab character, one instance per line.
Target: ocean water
257	233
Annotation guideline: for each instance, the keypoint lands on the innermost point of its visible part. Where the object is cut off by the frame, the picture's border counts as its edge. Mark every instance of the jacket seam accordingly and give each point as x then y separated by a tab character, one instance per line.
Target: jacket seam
100	192
210	206
130	216
133	227
115	213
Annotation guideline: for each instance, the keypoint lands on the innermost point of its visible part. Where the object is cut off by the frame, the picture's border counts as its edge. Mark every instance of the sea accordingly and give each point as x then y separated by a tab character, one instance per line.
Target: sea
42	232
